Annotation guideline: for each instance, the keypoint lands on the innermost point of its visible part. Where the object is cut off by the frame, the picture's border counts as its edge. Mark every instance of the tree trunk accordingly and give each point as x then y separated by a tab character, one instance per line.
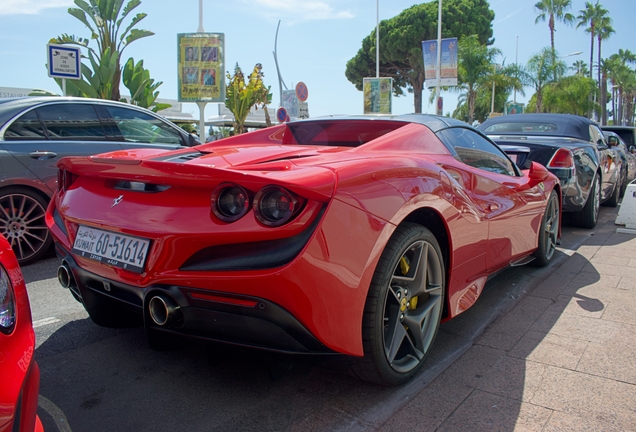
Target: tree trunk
600	85
589	113
472	99
604	99
114	92
418	86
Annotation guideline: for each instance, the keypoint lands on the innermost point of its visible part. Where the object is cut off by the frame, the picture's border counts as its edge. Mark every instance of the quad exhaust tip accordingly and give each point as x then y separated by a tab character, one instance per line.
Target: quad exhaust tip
65	276
164	309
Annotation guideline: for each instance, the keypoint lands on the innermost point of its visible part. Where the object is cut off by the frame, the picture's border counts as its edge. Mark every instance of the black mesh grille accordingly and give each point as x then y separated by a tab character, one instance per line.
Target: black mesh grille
251	256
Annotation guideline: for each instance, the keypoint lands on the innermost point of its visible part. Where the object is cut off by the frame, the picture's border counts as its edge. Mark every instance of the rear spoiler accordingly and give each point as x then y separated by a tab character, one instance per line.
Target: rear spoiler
314	183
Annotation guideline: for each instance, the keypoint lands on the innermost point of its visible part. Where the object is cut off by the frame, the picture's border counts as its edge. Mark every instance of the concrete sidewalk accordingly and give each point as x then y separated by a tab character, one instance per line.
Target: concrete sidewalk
562	359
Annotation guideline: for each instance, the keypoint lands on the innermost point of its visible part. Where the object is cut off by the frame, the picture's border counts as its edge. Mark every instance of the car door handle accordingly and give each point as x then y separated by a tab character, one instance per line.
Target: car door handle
42	154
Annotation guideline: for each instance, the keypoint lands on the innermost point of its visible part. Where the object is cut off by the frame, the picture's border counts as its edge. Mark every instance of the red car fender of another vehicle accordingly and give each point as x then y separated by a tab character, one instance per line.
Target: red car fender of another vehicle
20	374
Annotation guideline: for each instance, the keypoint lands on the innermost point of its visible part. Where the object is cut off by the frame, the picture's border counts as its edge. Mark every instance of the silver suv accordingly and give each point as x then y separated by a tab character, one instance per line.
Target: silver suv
35	132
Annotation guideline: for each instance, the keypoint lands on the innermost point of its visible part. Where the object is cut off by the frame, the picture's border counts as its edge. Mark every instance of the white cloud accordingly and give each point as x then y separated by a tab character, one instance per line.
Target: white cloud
31	7
299	9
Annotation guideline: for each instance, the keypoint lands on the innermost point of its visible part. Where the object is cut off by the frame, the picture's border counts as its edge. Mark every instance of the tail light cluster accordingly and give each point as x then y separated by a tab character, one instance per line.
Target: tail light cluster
65	179
7	303
272	205
563	158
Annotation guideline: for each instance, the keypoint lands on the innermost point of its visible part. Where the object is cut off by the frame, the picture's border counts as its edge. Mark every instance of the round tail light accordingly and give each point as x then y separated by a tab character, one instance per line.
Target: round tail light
230	202
274	205
7	303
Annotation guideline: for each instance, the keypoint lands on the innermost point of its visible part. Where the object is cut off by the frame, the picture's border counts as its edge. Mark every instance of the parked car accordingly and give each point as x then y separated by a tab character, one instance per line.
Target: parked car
35	132
628	158
573	148
335	235
627	133
19	372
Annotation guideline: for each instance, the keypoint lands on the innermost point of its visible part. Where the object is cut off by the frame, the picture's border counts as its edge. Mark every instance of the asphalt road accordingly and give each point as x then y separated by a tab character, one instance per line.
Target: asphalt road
97	379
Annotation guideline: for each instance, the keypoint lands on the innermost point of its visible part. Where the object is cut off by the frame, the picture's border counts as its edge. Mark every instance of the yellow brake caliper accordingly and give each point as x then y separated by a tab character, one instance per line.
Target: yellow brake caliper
405	267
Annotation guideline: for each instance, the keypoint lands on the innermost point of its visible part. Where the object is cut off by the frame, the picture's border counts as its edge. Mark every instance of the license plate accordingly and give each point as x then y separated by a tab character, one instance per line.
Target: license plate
111	248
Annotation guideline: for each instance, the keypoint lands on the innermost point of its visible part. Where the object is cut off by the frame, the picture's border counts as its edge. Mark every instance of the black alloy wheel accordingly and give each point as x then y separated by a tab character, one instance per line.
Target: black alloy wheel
616	193
403	308
22	223
587	217
549	232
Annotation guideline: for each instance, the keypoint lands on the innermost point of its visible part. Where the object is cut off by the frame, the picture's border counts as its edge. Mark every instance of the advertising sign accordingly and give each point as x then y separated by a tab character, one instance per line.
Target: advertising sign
514	108
290	103
448	75
64	61
201	67
377	95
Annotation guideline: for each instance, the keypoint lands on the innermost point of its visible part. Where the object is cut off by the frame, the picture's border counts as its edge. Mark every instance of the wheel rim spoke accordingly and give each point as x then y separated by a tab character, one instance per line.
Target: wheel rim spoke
413	306
22	222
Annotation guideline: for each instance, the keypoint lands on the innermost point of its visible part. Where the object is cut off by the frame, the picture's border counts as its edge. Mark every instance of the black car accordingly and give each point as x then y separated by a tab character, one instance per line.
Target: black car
627	134
35	132
570	146
627	156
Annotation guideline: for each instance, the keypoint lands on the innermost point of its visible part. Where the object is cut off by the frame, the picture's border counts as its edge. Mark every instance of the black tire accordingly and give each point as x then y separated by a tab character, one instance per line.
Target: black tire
403	308
624	185
22	222
616	194
588	216
549	232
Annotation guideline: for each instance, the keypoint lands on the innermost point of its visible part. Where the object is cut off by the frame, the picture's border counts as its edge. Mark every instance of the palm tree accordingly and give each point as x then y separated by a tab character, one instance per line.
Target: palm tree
580	68
542	69
604	30
106	19
623	80
552	9
475	65
590	16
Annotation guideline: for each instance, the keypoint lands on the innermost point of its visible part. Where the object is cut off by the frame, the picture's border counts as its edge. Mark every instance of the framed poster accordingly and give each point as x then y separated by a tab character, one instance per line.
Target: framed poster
201	67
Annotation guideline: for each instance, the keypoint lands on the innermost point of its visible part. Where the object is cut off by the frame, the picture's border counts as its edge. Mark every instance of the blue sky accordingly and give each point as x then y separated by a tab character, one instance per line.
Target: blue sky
316	39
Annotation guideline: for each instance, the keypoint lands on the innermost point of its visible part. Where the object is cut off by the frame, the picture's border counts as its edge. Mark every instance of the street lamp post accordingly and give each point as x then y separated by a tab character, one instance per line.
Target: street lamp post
201	104
439	57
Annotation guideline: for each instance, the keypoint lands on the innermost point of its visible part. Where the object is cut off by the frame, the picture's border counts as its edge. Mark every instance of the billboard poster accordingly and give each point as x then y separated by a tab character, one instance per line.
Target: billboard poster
377	95
290	103
515	108
201	67
448	75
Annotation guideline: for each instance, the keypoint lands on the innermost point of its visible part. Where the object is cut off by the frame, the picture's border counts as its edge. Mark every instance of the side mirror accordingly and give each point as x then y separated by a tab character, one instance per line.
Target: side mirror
192	140
537	174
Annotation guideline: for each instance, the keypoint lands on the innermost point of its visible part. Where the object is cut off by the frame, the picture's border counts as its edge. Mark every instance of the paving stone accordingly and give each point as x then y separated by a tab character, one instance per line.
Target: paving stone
513	378
507	331
614	358
555	284
566	422
582	393
487	412
609	269
550	349
554	321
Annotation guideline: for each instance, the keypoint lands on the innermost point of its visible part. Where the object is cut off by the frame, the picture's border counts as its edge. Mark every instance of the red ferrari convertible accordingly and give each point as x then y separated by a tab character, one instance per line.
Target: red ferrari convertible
336	235
19	373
